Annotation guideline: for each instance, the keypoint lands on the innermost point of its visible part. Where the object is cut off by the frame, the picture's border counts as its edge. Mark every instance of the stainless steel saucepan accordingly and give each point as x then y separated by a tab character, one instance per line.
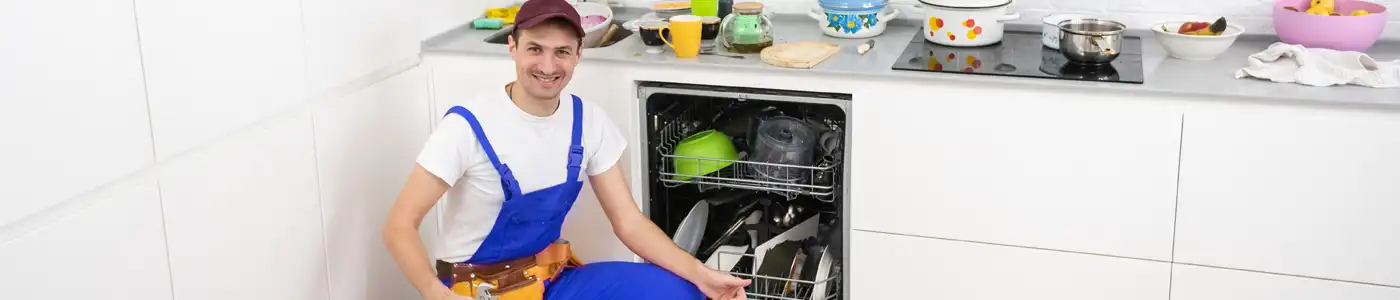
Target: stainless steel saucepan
1090	40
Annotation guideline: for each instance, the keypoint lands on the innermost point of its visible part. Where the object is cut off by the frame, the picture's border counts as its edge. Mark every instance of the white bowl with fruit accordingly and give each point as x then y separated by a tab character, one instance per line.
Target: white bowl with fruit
1196	40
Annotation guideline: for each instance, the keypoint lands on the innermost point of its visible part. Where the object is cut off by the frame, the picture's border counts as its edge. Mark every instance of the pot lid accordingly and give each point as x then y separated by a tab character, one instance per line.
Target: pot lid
966	3
852	4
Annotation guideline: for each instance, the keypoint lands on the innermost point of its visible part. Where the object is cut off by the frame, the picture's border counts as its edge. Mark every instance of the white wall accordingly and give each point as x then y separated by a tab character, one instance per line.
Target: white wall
1254	15
200	149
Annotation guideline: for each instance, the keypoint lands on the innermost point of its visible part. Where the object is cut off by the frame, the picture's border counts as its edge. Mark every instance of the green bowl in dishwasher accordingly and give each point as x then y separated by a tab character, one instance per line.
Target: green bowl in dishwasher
704	153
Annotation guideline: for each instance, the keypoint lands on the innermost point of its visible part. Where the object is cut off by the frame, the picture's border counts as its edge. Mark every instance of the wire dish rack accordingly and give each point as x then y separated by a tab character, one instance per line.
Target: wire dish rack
787	180
776	288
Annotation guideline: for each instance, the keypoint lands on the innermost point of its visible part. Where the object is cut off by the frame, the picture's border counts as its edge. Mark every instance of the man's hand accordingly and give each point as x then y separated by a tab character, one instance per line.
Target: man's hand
720	285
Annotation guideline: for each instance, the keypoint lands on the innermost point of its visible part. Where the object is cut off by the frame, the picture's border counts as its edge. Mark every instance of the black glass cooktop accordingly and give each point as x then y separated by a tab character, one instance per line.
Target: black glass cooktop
1020	54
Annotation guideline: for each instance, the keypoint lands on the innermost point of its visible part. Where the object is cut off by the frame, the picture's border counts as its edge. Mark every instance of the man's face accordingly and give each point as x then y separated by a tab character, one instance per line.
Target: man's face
545	57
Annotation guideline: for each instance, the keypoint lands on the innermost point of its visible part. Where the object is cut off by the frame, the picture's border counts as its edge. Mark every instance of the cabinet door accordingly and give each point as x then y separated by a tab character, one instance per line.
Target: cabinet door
1203	283
1070	171
456	80
887	266
1292	190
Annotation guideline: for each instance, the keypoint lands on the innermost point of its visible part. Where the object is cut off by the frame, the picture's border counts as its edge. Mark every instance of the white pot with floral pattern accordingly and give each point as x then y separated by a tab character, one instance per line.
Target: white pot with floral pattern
965	23
853	19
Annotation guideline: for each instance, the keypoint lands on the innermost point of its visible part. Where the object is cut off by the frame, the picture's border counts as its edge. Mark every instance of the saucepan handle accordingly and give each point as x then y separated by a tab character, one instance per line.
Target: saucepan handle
1009	17
913	3
894	12
816	15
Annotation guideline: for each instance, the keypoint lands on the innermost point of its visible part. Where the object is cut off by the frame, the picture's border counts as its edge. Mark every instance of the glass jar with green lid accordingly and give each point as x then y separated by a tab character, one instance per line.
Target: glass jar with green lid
746	29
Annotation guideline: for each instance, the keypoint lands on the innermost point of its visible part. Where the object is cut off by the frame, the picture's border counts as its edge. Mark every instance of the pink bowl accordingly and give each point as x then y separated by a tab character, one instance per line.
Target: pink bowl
1347	33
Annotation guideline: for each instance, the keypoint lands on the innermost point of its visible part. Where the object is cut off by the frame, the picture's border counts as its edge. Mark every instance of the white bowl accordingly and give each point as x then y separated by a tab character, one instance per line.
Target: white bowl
593	35
1195	47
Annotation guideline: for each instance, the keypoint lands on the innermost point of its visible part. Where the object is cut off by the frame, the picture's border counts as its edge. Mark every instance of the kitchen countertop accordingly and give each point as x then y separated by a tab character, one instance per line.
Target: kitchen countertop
1163	75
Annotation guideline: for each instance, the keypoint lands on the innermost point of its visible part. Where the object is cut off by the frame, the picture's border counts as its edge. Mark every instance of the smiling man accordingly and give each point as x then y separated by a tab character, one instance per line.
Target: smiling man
505	197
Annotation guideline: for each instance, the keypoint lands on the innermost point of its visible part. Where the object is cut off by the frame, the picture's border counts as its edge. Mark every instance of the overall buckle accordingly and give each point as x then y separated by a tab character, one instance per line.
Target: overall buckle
507	181
576	156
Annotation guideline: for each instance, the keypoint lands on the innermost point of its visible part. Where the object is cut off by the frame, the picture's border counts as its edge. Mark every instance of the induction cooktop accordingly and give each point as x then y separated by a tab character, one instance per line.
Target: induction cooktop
1020	54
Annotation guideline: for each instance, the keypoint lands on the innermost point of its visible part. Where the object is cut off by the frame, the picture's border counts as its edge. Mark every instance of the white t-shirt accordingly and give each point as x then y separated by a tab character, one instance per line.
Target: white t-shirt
536	149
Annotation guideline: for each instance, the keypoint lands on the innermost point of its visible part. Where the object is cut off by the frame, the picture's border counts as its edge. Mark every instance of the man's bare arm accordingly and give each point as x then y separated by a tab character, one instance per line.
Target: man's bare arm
417	197
635	230
644	238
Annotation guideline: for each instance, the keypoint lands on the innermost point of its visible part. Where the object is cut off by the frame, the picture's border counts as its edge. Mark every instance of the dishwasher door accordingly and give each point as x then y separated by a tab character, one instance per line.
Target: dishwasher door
670	112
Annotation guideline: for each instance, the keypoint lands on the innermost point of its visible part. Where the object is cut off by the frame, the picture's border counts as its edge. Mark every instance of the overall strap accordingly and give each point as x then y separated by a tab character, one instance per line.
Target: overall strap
508	183
576	142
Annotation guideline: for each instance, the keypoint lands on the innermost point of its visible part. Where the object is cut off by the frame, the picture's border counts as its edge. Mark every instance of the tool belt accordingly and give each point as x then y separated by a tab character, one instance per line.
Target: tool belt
517	279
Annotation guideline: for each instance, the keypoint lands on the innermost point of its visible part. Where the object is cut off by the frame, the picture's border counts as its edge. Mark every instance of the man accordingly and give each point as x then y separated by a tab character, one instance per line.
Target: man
500	162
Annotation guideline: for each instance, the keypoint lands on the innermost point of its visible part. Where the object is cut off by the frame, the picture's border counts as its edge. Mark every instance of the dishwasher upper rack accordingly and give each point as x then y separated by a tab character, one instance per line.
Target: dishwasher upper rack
819	181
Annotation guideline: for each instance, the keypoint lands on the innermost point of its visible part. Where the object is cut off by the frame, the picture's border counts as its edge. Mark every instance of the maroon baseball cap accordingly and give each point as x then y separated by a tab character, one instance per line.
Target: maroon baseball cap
534	12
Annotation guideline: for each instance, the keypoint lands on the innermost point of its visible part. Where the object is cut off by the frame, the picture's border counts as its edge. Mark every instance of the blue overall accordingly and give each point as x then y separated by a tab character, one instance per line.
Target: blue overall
529	222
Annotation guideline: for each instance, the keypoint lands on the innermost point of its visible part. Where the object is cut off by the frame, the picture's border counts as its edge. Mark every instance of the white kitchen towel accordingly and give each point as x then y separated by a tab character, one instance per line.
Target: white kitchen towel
1283	62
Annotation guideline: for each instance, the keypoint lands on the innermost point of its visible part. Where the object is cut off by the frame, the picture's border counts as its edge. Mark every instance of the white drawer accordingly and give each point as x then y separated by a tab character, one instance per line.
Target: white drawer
1201	283
1077	172
885	266
1285	190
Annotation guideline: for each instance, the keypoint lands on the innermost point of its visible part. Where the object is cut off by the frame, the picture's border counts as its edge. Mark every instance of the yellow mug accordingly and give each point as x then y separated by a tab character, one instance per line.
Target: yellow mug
685	35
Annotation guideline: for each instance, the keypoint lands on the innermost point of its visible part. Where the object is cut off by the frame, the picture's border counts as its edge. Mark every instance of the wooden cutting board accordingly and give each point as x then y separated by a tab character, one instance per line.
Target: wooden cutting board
801	55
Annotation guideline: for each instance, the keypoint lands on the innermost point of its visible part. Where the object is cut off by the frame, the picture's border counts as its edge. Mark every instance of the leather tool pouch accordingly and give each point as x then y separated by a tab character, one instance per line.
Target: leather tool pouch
517	279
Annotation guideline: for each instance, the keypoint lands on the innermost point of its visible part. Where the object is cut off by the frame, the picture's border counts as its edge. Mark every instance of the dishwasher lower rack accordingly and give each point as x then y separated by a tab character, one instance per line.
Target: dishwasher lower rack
775	288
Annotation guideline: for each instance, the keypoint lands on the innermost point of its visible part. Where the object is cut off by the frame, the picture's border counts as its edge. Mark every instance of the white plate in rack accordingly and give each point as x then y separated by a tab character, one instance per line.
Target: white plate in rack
692	229
800	232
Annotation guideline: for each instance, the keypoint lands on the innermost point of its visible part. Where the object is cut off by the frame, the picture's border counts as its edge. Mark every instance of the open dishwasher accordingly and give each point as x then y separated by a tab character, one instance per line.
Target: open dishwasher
752	182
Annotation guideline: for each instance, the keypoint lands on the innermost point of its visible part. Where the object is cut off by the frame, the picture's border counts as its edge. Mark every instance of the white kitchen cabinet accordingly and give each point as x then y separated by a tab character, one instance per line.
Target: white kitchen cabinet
213	67
1069	171
1204	283
243	218
437	16
1292	190
72	101
366	144
455	80
887	266
348	39
113	248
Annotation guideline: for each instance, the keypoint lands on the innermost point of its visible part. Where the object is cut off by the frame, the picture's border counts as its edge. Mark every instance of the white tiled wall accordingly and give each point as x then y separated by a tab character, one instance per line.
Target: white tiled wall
209	72
164	149
1254	15
62	101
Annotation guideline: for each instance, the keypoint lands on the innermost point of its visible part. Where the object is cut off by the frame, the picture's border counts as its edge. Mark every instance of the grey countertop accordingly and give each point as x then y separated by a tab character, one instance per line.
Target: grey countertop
1163	75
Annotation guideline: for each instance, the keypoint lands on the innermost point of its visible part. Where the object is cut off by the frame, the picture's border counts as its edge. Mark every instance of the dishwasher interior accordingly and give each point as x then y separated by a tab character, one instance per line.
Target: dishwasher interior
752	182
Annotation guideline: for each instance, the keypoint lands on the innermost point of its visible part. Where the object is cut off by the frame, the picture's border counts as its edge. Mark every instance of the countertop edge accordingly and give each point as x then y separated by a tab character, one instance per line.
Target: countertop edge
431	47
